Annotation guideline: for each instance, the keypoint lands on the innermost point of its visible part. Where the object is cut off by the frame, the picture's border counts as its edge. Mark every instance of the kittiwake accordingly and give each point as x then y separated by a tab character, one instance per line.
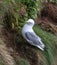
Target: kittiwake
30	36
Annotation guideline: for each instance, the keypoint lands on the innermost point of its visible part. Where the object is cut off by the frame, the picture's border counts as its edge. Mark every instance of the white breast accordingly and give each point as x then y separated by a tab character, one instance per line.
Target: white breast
27	28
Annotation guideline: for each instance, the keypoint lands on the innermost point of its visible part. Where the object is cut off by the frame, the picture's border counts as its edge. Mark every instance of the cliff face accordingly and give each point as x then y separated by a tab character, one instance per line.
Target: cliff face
14	50
48	19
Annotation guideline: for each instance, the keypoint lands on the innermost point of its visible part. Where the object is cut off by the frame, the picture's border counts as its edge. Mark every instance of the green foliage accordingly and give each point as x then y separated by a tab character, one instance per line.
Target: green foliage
20	61
32	6
1	61
20	11
23	62
51	43
54	1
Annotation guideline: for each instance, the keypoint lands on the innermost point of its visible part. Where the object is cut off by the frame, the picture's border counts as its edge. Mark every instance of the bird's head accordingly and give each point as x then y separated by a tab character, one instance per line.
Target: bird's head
30	22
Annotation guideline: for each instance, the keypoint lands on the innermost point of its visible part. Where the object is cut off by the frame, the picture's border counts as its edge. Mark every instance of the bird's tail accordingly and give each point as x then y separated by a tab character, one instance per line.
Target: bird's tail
41	46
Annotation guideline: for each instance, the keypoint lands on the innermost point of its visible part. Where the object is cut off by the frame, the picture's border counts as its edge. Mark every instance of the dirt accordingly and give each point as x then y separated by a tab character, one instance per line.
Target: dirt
48	19
50	10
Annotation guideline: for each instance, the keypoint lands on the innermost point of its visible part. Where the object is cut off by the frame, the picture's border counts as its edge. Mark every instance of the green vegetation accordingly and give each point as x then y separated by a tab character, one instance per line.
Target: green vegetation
50	41
15	13
1	61
23	62
19	11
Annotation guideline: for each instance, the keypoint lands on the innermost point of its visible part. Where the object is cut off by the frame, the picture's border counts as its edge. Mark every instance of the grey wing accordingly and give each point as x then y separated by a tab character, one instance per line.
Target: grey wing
32	37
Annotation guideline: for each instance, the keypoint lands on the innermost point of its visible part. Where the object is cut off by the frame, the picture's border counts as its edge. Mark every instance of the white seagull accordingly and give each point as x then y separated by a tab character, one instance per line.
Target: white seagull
30	36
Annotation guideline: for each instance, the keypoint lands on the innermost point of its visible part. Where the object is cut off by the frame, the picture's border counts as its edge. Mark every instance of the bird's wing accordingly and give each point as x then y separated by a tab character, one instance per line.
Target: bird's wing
33	38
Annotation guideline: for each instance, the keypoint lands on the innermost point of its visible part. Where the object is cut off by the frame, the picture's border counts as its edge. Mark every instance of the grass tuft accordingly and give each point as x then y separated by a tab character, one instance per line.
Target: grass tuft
50	41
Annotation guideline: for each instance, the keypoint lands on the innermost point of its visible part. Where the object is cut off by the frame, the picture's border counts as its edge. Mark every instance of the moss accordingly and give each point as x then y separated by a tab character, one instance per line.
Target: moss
1	61
23	62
